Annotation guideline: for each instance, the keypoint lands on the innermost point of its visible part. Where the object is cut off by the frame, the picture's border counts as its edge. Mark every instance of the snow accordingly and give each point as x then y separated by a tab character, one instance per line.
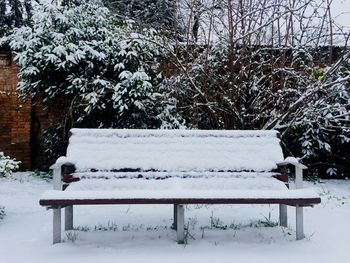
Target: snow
178	194
60	161
245	188
142	232
294	161
291	160
174	150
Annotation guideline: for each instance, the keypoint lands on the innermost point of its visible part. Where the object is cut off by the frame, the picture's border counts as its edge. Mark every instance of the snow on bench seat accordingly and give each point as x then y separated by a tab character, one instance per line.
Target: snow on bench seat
180	196
173	150
174	183
178	190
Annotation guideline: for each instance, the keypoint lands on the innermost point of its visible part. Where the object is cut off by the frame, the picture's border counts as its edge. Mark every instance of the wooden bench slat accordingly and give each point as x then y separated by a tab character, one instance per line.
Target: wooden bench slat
296	196
124	201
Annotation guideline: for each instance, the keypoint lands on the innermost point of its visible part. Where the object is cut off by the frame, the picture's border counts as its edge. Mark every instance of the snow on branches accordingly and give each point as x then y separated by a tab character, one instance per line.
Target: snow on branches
268	65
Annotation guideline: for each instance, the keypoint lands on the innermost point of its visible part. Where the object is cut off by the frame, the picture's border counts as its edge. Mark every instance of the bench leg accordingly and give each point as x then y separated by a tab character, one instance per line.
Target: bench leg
180	224
283	215
299	222
175	217
57	225
68	218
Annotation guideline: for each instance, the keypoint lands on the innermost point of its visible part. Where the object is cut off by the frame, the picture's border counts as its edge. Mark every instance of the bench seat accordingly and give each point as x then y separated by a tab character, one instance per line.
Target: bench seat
263	189
303	197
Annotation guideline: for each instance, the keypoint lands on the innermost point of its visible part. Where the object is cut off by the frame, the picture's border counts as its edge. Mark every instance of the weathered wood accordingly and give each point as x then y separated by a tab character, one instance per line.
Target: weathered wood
122	201
299	223
283	173
175	217
68	218
70	179
283	215
180	224
68	169
282	178
56	225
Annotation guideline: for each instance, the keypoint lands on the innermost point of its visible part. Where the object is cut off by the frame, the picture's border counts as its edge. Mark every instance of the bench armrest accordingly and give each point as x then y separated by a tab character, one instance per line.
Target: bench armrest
299	167
57	171
63	160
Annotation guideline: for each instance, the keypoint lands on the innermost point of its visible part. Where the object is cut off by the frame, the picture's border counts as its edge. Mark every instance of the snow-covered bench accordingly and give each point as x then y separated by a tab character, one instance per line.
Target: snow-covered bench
179	167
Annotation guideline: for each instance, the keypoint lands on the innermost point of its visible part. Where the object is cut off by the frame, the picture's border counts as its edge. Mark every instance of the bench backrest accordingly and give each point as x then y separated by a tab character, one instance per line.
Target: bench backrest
173	150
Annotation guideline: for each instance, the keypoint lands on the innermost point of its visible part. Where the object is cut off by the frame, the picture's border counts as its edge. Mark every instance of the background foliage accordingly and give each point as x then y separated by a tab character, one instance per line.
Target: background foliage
218	64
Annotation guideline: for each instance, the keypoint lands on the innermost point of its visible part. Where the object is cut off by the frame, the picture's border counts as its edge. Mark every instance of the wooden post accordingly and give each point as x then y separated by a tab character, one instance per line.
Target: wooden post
57	185
68	218
180	222
283	208
298	184
299	222
57	178
298	176
283	215
175	217
56	225
299	209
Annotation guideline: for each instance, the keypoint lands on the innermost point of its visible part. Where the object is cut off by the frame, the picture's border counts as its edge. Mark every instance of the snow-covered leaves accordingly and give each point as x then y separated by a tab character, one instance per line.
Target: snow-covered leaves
14	13
95	69
7	165
83	53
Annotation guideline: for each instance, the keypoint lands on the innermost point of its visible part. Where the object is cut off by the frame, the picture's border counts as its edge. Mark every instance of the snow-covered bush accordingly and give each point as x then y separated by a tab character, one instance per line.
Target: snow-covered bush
14	13
99	64
7	165
307	103
101	70
235	91
320	129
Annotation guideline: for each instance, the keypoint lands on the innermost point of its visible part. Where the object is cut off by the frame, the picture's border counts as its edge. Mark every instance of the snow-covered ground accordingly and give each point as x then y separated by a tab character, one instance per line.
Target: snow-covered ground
222	233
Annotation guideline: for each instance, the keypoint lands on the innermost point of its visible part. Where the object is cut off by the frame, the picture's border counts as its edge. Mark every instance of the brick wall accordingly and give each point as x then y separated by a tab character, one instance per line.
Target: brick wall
15	115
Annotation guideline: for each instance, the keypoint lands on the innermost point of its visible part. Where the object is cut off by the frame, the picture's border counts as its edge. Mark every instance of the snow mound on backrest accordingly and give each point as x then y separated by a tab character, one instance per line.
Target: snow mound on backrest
174	150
